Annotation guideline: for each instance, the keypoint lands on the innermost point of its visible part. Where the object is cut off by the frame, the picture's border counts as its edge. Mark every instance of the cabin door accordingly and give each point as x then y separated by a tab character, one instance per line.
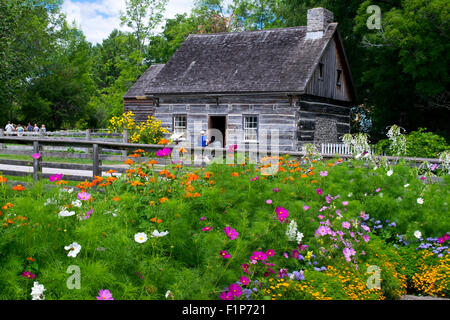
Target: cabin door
219	123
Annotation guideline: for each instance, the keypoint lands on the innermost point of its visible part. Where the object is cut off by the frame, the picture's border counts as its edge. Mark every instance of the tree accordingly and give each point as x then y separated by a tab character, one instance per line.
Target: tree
142	16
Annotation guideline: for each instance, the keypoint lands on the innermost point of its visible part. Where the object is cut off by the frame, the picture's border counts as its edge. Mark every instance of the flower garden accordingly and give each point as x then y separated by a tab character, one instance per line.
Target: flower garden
315	230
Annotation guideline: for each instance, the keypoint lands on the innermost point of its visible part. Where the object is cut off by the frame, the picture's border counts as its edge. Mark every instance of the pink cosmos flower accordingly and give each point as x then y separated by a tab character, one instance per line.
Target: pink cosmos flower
320	216
319	192
225	254
88	214
268	201
56	177
202	218
207	228
282	214
323	173
322	231
286	255
446	237
231	233
163	152
348	252
36	156
345	203
270	253
232	148
366	238
282	273
235	290
258	255
104	295
276	190
346	225
83	195
378	189
28	275
226	295
245	267
306	208
244	280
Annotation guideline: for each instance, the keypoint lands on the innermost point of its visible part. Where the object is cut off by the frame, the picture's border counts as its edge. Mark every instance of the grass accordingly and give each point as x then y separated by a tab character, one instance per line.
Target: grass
195	206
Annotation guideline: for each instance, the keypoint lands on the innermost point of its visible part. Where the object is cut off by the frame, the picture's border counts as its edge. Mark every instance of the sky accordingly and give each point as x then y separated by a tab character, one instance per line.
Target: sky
97	18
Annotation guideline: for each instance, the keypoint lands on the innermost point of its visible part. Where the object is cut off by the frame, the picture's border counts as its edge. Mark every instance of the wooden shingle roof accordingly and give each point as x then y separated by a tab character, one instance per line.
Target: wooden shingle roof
137	90
275	60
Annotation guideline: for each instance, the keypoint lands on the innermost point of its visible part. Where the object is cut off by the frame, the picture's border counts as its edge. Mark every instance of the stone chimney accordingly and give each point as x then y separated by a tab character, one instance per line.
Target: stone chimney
318	21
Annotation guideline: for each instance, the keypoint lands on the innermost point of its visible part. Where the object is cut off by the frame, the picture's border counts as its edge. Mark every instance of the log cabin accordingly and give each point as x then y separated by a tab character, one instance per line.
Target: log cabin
295	81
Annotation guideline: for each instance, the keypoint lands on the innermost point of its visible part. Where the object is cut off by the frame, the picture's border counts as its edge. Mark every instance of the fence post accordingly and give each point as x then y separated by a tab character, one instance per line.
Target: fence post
88	134
96	161
125	140
2	134
41	132
37	163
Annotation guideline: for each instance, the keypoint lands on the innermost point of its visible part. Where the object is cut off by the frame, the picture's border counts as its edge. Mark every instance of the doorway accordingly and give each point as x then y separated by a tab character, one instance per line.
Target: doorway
217	123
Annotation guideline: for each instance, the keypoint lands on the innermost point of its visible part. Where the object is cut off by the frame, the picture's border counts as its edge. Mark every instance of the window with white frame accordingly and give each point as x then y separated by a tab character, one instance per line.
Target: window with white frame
180	124
251	128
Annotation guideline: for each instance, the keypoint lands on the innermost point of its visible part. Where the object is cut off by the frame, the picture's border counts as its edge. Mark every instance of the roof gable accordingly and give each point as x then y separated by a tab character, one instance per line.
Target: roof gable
275	60
138	89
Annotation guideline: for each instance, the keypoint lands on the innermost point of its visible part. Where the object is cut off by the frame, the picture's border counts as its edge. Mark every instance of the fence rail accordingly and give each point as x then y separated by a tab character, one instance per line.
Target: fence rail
95	151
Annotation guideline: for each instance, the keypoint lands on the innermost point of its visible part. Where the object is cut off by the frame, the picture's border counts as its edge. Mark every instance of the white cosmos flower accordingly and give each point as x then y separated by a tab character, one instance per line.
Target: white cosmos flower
37	291
140	237
168	293
66	213
406	185
74	249
158	234
417	234
419	200
390	172
49	201
77	203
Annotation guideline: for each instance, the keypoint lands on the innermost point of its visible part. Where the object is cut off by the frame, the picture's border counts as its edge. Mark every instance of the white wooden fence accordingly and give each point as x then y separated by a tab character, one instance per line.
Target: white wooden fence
339	148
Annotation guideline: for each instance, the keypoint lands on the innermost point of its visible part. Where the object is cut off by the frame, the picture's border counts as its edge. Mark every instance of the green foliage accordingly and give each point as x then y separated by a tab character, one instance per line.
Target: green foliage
419	143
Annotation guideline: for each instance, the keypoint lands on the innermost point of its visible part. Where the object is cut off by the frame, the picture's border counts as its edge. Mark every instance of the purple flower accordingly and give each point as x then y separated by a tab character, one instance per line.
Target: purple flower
378	190
282	273
254	178
322	231
366	238
276	190
36	156
345	203
306	208
319	192
225	254
231	233
104	295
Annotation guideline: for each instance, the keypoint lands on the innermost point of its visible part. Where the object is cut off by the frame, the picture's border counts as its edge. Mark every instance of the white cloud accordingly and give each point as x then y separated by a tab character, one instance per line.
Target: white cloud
98	18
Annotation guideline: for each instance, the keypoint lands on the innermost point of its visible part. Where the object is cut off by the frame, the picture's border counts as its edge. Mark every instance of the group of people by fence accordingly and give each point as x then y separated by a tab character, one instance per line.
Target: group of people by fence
12	129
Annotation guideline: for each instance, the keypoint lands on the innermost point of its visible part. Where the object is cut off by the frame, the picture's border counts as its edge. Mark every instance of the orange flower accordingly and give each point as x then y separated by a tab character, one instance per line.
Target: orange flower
139	151
156	220
209	175
163	199
313	181
18	188
331	164
116	199
304	176
195	195
163	141
311	173
192	177
61	182
111	179
129	162
235	174
152	162
8	205
3	179
110	171
182	150
136	183
135	155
